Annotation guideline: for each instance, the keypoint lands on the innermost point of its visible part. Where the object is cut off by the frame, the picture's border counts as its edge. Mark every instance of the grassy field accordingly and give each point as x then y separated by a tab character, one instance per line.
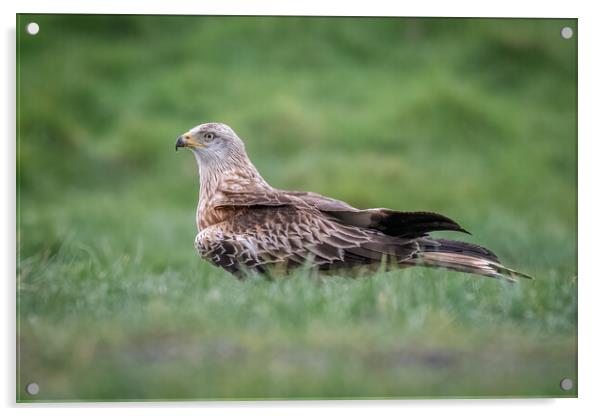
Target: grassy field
475	119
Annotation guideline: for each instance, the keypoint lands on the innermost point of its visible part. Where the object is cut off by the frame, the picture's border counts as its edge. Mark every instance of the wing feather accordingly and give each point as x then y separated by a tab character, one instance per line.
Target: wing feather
390	222
293	235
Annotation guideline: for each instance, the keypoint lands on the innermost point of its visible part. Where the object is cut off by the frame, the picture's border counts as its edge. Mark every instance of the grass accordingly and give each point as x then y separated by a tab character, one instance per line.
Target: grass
472	118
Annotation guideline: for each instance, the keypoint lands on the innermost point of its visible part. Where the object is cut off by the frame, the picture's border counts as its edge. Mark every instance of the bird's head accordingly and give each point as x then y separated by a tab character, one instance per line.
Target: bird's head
212	142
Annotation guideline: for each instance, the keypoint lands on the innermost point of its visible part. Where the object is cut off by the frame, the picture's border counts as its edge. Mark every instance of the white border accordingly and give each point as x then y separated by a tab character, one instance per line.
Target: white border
460	8
590	71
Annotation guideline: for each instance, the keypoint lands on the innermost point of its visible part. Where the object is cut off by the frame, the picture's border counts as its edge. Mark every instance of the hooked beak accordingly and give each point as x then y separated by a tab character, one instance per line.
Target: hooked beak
186	140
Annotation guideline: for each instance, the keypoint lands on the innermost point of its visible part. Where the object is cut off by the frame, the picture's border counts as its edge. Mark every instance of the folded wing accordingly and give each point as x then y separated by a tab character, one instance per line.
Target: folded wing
390	222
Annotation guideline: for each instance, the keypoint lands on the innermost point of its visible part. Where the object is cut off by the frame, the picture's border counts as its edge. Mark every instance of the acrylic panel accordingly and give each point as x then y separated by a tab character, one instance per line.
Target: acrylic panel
149	274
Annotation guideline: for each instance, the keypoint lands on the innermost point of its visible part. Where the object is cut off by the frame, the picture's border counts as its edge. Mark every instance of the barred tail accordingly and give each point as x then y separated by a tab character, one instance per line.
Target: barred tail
463	257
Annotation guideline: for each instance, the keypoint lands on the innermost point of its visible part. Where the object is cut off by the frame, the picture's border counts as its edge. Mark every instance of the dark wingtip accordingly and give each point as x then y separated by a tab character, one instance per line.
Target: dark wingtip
453	225
464	230
407	224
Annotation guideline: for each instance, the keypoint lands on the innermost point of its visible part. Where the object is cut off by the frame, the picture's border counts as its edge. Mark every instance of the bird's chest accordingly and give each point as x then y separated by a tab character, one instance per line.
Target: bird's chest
207	215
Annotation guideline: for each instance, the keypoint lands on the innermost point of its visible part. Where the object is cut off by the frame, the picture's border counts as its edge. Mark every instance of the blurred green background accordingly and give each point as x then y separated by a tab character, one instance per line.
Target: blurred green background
473	118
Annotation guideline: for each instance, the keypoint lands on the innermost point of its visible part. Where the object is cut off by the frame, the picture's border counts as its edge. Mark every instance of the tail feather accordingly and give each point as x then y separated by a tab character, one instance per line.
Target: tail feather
460	247
463	257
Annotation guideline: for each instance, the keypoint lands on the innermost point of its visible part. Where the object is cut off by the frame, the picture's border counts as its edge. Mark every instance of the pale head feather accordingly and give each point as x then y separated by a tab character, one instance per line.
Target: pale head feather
221	146
222	160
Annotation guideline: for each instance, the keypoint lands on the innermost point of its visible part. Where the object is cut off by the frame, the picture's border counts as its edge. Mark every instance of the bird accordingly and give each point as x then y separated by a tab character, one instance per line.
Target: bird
248	227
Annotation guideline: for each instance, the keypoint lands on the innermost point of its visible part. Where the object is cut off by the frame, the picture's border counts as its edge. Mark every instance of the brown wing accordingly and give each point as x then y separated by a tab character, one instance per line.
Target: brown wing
287	235
397	223
273	197
390	222
289	230
387	221
321	202
254	198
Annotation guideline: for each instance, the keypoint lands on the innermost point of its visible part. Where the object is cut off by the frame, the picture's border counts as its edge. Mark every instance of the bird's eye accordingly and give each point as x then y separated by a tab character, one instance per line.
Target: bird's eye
208	136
